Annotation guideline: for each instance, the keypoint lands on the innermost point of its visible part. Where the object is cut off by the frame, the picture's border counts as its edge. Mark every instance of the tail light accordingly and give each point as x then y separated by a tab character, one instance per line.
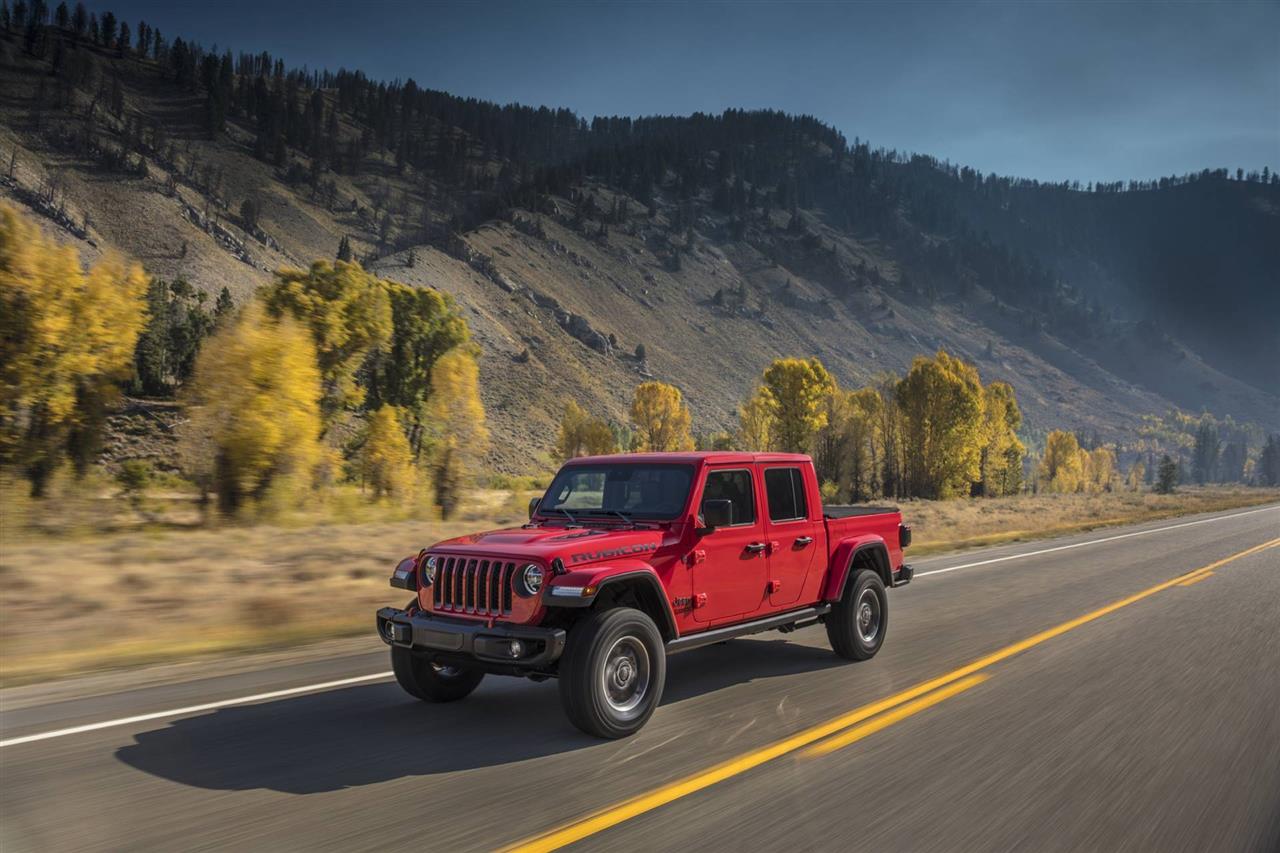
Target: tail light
904	535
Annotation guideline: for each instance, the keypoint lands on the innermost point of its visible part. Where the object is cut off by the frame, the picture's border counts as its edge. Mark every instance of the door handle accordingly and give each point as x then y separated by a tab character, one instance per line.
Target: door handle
804	540
756	547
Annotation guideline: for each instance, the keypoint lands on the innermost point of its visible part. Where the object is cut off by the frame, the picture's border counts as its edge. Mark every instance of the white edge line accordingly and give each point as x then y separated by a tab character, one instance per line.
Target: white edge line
1093	542
193	709
360	679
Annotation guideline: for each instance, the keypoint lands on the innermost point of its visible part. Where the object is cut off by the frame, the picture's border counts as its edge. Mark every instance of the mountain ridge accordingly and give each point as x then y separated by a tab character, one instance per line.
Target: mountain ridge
715	242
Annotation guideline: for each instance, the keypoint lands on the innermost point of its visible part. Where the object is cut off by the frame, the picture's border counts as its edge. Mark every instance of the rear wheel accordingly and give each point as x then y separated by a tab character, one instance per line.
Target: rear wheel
857	623
612	672
432	682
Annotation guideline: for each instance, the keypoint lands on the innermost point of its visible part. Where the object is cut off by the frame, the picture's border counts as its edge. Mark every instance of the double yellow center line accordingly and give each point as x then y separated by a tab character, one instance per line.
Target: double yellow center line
847	728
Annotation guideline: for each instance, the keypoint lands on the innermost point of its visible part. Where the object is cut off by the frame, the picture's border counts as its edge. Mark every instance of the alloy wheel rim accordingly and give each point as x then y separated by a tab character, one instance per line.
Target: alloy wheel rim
868	615
625	677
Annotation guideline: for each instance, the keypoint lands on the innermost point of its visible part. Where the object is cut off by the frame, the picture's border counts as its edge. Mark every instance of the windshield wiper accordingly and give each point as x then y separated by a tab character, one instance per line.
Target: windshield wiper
624	516
572	520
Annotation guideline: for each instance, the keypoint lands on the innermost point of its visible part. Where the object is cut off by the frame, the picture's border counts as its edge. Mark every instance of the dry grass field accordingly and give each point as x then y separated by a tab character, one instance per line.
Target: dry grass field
153	594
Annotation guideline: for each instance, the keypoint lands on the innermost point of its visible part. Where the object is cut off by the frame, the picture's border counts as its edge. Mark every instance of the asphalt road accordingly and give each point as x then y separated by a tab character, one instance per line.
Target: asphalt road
999	719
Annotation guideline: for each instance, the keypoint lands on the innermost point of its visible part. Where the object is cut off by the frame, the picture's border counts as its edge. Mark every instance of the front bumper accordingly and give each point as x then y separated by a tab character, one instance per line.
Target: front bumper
464	638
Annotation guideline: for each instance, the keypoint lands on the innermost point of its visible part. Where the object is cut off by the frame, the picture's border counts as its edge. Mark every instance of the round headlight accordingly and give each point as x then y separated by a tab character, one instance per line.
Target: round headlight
428	570
531	579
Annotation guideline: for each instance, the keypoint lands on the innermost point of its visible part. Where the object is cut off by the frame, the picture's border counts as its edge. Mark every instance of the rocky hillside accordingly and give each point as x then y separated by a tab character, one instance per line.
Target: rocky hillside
589	257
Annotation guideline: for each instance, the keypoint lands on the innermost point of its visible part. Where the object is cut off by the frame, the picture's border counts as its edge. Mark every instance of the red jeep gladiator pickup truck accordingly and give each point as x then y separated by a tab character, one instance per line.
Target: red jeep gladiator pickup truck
627	559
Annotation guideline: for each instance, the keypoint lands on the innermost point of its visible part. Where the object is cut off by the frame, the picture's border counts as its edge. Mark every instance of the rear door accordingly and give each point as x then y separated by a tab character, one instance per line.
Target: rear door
729	580
794	532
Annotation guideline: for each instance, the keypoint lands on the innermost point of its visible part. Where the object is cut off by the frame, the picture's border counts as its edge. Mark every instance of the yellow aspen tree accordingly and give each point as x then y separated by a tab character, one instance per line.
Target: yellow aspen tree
1061	468
386	462
255	411
755	419
583	435
942	405
831	440
456	421
66	343
864	443
1002	451
1102	469
796	390
661	418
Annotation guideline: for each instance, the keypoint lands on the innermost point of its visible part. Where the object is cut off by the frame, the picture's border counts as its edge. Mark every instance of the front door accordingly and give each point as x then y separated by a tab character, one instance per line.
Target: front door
729	581
794	537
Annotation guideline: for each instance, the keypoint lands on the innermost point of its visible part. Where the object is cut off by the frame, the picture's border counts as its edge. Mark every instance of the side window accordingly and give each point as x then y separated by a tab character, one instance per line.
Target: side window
735	487
784	487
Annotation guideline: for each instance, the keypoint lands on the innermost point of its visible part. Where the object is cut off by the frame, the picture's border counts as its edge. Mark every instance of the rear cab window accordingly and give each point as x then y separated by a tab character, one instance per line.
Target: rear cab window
784	491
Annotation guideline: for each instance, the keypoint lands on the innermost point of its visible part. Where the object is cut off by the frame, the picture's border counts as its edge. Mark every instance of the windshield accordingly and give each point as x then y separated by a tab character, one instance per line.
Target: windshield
633	490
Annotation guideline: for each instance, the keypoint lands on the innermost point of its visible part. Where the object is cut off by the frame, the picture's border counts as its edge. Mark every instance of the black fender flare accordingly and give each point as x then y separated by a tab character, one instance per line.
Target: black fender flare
645	579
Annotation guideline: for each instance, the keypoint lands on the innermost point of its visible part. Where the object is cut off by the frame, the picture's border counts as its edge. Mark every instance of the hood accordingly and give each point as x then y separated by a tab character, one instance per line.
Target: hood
575	546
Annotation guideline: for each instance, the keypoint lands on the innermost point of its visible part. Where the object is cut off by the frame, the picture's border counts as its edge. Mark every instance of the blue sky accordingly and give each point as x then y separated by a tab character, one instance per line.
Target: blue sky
1078	91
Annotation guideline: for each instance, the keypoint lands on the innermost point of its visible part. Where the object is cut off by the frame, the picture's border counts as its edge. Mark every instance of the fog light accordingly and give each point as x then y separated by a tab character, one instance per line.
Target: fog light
516	648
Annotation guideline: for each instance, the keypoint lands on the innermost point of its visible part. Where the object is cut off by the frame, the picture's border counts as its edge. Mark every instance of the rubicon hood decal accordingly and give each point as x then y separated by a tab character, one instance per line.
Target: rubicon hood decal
605	553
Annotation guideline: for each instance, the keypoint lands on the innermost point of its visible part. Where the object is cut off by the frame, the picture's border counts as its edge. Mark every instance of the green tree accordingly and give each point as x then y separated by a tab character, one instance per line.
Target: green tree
1204	454
67	337
1166	475
425	324
661	418
223	307
250	210
1269	461
177	325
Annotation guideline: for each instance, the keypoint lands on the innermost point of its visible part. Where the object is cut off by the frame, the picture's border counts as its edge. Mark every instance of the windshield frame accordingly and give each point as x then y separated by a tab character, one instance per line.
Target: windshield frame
584	514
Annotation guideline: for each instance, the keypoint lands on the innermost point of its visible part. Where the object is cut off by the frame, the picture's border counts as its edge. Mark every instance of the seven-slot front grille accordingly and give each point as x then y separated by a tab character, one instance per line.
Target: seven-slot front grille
473	585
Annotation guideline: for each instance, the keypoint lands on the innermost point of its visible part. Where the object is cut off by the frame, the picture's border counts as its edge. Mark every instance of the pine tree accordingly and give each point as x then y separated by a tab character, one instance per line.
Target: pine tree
344	249
1269	461
223	307
1167	476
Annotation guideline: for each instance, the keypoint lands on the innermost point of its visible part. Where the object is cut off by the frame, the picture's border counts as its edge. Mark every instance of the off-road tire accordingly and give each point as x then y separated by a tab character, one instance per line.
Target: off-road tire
847	625
606	655
429	682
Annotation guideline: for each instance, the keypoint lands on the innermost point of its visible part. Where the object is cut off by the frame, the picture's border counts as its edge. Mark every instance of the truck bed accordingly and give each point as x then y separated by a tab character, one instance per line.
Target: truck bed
850	511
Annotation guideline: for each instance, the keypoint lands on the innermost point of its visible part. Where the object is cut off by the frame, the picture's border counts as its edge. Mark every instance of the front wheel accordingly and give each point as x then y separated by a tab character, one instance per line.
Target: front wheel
612	672
432	682
857	623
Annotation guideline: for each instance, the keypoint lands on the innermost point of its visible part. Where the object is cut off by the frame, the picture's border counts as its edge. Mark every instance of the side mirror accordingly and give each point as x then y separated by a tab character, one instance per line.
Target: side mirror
716	513
533	506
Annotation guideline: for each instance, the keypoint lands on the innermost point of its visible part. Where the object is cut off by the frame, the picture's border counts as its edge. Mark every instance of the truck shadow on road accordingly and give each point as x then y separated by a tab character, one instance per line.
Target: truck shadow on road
374	733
